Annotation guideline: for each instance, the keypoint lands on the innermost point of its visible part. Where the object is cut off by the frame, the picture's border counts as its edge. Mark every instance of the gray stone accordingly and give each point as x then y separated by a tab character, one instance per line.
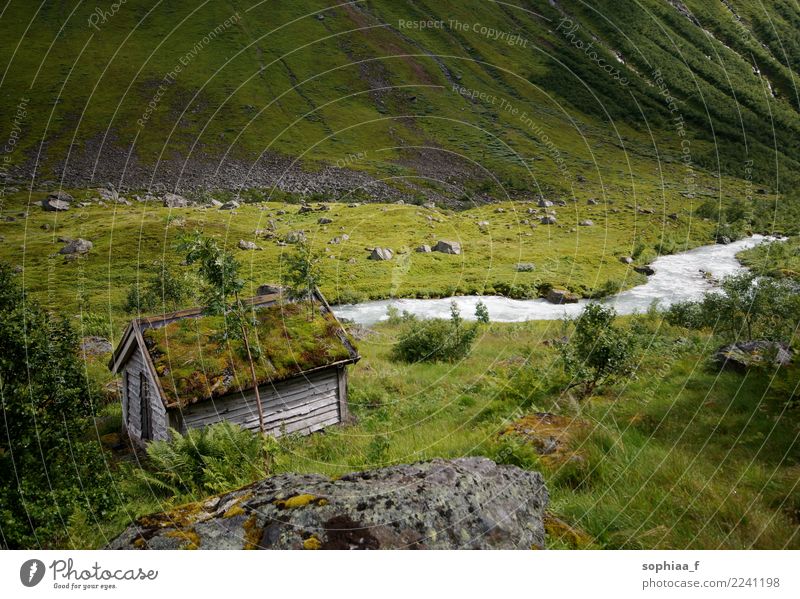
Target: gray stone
247	245
76	246
173	200
268	289
525	267
463	503
381	254
295	237
423	249
232	205
324	221
339	239
544	203
548	220
95	346
586	223
741	356
304	209
592	202
626	259
58	201
447	247
561	296
645	270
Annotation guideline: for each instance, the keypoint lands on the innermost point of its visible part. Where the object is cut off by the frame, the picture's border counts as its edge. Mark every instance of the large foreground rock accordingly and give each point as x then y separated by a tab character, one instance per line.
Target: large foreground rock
469	503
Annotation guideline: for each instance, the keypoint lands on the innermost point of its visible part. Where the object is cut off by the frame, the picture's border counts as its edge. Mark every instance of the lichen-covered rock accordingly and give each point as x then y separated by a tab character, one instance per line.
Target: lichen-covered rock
76	246
447	247
741	356
381	254
465	503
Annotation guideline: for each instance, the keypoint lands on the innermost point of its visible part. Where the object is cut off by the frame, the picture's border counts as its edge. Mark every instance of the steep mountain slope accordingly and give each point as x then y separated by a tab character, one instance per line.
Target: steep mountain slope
465	99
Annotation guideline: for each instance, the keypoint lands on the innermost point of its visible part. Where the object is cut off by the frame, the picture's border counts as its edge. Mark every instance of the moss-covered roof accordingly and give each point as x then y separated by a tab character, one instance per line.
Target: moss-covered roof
194	361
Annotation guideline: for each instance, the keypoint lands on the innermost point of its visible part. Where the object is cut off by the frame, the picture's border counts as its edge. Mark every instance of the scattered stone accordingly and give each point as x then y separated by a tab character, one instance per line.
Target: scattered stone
544	203
353	205
214	203
247	245
483	224
586	223
548	220
45	227
305	209
231	205
95	346
76	246
499	210
173	200
295	237
429	205
447	247
525	267
561	203
323	207
741	356
324	221
626	259
463	503
645	270
561	296
673	216
644	211
339	239
592	202
423	249
381	254
722	239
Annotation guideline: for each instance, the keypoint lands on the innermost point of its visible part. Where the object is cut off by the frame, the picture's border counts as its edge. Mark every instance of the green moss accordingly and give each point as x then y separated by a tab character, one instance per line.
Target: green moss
312	542
195	362
252	533
189	536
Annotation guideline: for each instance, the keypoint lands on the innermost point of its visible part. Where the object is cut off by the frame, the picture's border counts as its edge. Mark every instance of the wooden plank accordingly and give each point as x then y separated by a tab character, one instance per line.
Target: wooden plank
243	411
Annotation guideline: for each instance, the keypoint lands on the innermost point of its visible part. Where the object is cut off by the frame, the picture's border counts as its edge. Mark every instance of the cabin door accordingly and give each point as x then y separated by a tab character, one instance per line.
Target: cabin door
144	408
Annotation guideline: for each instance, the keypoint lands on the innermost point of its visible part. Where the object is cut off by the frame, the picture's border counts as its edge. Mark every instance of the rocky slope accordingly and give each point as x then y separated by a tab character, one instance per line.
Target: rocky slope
469	503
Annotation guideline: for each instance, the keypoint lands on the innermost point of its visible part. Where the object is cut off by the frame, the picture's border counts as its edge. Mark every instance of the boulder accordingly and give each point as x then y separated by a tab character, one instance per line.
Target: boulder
268	289
525	267
324	221
339	239
463	503
57	201
173	200
561	296
483	224
95	346
447	247
247	245
626	259
544	203
232	205
741	356
381	254
645	270
586	223
215	203
295	237
723	239
305	209
592	202
423	249
548	220
76	246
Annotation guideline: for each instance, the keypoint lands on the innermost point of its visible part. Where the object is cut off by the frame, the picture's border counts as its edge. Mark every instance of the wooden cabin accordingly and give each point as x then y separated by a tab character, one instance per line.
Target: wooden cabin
180	371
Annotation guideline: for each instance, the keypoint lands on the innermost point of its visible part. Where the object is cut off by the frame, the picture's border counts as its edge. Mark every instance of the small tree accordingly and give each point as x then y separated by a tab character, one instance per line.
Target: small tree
598	352
481	313
220	271
302	273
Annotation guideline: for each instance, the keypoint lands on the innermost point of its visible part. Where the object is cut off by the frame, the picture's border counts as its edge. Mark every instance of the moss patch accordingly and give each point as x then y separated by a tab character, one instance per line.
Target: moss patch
300	501
190	538
194	361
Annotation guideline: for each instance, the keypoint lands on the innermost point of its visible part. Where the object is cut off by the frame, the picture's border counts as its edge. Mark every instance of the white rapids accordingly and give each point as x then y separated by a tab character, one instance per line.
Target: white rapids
678	277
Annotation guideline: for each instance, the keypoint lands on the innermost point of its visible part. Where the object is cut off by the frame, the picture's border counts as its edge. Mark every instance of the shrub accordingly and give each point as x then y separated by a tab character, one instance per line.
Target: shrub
164	287
436	340
598	352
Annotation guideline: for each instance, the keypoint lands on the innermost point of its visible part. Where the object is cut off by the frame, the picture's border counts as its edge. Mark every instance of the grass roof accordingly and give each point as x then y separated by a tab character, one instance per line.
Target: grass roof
195	361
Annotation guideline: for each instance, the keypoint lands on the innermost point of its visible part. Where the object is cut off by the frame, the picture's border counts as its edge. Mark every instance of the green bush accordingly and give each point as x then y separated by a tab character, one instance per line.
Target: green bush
598	352
435	340
163	288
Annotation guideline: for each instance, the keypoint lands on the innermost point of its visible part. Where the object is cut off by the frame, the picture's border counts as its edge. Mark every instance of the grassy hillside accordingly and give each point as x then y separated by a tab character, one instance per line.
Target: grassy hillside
493	100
